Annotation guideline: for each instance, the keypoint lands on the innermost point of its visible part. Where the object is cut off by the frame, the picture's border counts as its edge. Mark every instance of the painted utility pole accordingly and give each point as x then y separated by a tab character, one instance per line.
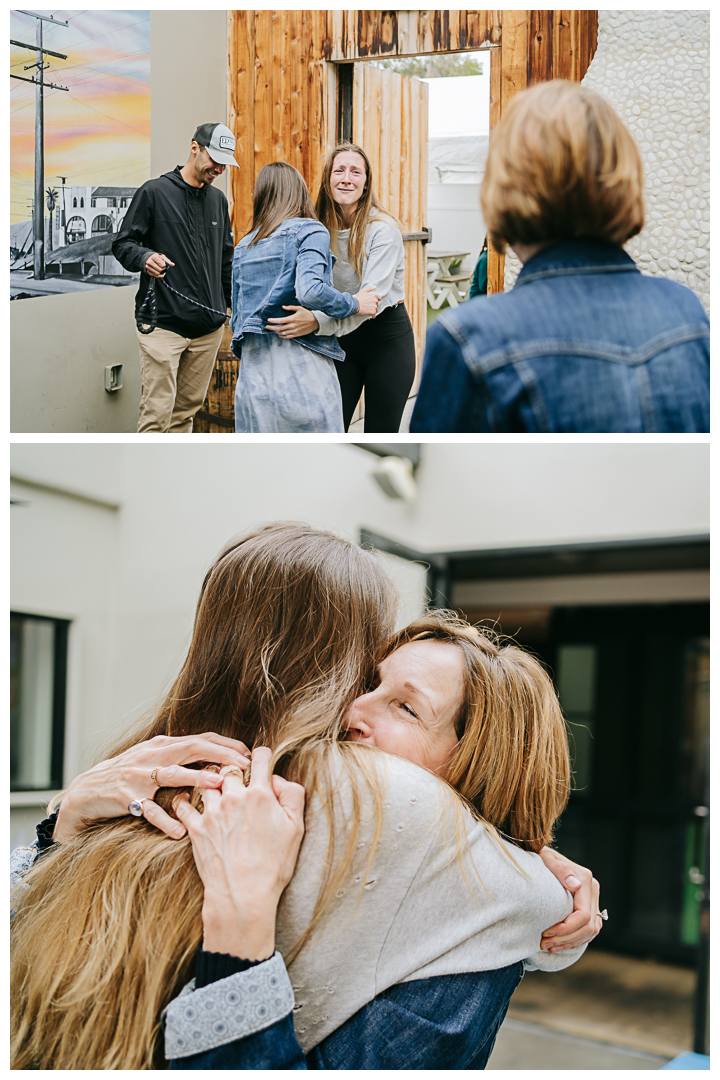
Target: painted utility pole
40	84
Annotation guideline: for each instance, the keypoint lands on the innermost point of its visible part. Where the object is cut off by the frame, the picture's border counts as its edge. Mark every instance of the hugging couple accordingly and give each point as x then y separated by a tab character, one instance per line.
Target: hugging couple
339	830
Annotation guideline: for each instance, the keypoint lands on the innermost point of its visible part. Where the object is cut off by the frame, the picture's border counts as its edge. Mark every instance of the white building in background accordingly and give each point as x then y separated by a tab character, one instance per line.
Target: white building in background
458	135
111	542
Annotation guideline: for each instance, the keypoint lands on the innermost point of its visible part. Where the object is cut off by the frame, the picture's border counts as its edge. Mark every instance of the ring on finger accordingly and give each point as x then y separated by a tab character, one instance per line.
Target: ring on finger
234	772
135	807
153	776
604	915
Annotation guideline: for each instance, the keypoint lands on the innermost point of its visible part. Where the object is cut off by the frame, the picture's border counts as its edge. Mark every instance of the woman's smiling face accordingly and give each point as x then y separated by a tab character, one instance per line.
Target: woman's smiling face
412	708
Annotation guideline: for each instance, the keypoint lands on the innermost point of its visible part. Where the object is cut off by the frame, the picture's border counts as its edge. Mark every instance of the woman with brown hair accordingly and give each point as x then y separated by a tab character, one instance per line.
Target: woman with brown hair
108	922
584	342
365	238
284	385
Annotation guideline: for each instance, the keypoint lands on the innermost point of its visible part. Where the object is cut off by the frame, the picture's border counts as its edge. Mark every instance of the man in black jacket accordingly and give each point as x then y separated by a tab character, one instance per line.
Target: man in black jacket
177	230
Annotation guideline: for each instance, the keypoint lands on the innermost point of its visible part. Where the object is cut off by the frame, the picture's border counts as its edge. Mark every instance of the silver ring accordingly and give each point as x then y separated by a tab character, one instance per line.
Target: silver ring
604	915
135	807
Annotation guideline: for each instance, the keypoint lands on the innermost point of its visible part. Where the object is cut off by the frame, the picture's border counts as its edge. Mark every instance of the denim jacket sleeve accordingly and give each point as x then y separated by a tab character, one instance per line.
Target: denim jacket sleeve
449	398
313	263
231	1011
448	1022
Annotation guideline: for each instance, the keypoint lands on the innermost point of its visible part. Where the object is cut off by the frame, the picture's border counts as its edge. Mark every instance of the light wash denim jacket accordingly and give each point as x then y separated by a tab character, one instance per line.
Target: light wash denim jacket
291	266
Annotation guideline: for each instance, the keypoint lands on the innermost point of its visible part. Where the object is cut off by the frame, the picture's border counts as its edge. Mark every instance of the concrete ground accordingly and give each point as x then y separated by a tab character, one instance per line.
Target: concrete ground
605	1012
359	426
529	1046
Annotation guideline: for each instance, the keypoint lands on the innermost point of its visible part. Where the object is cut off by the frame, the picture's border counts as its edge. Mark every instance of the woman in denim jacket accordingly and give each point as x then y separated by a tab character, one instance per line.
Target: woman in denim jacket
379	352
287	385
583	342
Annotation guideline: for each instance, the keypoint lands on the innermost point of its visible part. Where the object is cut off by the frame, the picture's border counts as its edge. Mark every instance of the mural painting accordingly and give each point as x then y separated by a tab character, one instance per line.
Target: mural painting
84	137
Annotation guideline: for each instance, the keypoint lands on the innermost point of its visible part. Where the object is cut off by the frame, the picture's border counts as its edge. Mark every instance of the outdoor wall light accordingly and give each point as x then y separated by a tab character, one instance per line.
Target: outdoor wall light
396	472
113	377
395	477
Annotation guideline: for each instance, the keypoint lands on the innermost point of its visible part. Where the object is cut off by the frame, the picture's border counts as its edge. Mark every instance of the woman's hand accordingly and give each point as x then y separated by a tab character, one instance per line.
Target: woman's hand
245	844
584	923
298	324
106	790
367	301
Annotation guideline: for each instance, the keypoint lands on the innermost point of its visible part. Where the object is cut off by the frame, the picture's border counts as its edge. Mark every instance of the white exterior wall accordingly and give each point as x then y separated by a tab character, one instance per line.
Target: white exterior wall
60	345
456	221
654	69
118	537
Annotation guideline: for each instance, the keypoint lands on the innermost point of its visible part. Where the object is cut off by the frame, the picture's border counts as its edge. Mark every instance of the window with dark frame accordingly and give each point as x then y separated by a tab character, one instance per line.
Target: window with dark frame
38	683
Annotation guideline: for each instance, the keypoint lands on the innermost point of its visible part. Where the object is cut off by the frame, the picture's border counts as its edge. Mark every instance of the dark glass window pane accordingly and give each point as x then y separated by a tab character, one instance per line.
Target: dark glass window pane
37	690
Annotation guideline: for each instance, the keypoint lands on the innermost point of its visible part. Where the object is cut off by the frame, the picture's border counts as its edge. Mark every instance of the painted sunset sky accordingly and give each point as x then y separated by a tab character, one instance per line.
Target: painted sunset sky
98	132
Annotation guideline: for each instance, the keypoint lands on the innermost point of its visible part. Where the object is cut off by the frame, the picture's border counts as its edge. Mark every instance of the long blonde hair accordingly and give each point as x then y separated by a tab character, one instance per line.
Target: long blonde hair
368	209
511	763
106	925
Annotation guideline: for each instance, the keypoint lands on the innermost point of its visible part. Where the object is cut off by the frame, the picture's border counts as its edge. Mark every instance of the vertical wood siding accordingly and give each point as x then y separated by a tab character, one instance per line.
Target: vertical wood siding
282	95
282	92
359	35
537	46
390	122
281	98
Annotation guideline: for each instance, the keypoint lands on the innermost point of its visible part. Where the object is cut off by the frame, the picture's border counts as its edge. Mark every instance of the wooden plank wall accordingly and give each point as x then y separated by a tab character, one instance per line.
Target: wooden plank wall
281	98
361	35
537	46
282	88
390	114
282	93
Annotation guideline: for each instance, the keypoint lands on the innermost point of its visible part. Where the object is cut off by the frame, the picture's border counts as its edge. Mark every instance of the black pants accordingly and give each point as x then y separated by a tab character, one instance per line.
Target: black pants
380	356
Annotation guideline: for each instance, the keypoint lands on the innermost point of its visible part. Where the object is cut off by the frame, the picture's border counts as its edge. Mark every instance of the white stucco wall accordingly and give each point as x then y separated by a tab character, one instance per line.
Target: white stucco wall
117	537
654	69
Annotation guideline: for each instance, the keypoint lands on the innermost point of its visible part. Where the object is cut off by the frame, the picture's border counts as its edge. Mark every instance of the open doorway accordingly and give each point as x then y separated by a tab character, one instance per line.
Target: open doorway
458	134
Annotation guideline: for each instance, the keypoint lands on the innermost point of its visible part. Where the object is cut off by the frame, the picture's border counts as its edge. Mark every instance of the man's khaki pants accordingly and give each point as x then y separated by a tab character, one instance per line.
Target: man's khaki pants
176	373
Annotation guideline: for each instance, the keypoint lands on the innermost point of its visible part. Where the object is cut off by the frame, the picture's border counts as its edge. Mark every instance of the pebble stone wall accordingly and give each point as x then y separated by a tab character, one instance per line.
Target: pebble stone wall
653	68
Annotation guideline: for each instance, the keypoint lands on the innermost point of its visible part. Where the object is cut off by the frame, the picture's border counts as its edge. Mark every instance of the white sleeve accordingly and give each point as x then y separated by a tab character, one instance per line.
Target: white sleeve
385	253
545	961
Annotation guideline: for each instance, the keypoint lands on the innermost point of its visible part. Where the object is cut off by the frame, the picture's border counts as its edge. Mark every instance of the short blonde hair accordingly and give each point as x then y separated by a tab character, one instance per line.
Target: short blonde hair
561	164
511	763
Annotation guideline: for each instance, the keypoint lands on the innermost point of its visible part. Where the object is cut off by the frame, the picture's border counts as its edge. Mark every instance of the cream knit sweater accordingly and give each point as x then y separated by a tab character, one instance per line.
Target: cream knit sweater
420	910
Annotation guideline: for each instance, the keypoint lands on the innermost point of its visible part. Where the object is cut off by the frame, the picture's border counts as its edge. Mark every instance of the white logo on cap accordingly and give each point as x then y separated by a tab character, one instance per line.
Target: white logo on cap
225	140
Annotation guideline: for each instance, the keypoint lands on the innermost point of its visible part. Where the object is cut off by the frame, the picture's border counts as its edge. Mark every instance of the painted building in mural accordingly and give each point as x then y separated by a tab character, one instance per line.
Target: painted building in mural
91	211
81	212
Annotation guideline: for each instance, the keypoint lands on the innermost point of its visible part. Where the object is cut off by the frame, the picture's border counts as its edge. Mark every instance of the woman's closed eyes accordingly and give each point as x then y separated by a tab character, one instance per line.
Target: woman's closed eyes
412	703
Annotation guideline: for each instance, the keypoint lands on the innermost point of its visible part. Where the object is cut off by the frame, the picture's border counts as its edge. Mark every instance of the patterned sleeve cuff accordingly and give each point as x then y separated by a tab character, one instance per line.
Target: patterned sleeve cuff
227	1010
21	860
